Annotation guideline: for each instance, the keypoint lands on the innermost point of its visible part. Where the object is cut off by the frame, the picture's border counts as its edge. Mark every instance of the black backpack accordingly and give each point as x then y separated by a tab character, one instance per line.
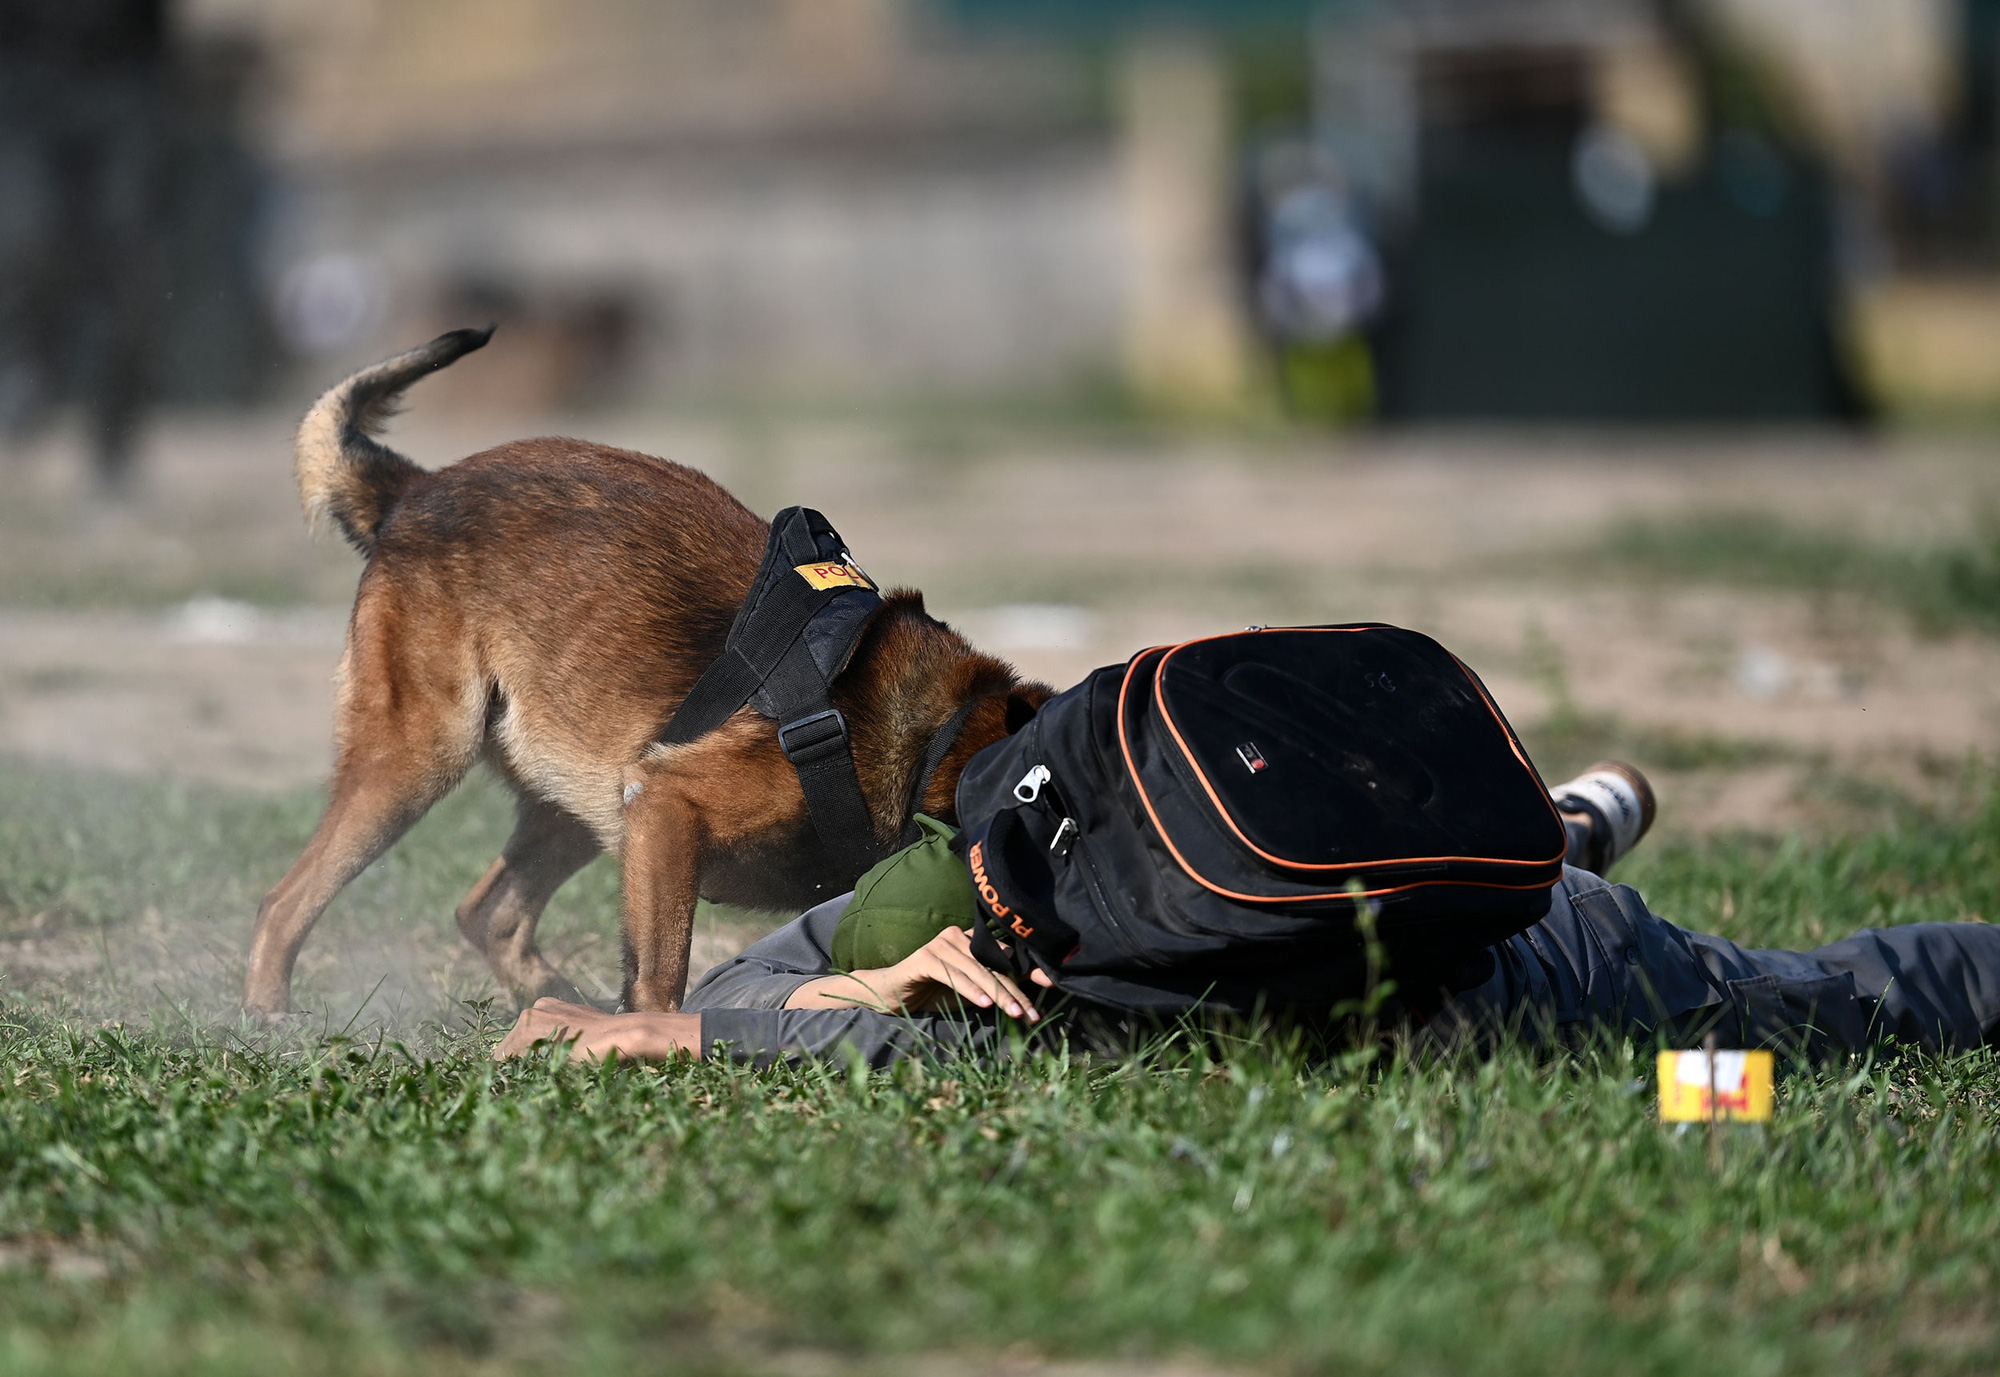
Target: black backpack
1194	827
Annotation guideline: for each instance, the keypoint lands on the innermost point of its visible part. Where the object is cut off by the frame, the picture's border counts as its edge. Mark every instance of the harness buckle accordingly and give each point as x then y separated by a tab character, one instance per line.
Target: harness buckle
812	739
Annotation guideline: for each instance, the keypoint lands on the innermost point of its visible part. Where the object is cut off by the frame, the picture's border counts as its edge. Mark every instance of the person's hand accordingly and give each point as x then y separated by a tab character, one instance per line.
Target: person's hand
593	1034
939	973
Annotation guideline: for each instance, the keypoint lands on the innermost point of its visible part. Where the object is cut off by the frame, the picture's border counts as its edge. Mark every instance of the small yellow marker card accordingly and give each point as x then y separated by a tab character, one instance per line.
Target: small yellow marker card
1736	1088
833	575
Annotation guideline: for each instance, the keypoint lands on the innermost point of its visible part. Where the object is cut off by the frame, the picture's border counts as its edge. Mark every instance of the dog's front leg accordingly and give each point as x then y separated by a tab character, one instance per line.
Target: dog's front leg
664	843
686	805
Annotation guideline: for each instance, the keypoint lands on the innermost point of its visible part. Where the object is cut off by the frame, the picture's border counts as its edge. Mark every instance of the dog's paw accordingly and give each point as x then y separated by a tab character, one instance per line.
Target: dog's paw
274	1020
555	986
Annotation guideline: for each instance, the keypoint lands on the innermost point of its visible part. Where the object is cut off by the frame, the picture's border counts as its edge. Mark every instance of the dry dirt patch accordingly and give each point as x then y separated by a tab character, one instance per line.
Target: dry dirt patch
1065	556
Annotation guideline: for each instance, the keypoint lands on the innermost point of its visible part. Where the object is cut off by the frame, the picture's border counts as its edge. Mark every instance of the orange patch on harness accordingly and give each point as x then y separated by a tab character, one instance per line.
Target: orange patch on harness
836	575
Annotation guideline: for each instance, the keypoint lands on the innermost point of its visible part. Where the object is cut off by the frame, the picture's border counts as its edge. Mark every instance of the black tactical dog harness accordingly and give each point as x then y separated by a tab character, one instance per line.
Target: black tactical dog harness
792	637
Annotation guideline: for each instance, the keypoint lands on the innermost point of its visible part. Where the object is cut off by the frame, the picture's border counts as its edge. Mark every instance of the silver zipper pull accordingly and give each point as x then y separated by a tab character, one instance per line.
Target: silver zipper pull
1030	787
1065	837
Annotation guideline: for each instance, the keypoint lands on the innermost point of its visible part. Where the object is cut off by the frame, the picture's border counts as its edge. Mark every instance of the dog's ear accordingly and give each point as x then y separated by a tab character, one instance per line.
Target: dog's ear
1022	705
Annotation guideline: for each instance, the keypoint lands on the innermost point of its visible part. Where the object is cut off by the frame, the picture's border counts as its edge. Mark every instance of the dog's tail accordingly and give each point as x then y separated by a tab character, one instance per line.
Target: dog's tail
346	476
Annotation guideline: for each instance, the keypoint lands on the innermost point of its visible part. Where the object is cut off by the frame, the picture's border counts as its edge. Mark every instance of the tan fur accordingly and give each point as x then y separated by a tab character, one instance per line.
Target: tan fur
345	478
545	605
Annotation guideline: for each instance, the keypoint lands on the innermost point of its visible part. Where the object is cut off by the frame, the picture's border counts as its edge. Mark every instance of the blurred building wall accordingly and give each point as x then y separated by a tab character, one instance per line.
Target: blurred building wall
773	196
848	198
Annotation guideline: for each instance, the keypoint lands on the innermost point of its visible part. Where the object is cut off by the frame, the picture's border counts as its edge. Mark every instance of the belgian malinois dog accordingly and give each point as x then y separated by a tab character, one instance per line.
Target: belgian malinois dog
545	605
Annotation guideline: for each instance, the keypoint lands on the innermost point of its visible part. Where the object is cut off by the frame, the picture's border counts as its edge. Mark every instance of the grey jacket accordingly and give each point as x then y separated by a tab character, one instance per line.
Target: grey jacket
1600	960
742	1005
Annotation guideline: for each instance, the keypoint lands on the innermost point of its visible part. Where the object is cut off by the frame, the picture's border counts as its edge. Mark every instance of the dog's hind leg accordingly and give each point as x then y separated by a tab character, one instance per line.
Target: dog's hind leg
548	846
409	722
363	819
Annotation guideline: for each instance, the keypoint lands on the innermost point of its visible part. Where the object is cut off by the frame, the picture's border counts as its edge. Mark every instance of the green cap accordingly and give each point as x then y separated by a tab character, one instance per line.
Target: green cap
905	901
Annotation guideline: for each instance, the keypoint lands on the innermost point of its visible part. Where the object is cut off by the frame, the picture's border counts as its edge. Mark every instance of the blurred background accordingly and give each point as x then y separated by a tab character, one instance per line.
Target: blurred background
1645	351
1406	209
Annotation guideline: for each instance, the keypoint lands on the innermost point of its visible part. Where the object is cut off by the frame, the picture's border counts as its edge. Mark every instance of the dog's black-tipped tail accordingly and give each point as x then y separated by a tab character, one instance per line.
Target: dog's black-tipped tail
346	476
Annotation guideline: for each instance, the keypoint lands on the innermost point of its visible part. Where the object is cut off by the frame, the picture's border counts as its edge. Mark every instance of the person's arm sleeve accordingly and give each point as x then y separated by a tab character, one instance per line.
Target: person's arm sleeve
764	1037
767	972
742	1006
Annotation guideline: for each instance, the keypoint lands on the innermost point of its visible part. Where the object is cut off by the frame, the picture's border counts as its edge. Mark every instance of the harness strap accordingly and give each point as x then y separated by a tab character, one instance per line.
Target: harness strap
768	654
813	735
940	747
767	627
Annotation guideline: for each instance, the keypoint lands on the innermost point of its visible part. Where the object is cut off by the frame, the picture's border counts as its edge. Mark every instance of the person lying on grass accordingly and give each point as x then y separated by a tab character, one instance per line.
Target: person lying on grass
888	971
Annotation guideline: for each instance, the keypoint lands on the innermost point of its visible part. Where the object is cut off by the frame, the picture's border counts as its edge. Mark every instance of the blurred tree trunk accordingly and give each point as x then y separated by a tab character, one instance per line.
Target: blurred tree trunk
1187	342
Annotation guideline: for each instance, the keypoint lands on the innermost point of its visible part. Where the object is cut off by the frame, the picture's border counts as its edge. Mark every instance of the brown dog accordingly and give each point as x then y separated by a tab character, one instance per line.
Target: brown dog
546	605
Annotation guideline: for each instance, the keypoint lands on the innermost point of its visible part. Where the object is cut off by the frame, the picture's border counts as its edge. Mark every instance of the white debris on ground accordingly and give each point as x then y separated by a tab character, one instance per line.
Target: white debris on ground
230	621
1033	626
215	621
1764	673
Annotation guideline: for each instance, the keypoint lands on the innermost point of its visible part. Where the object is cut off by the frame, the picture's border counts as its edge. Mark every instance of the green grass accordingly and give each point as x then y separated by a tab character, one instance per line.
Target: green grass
178	1194
164	548
1942	587
138	897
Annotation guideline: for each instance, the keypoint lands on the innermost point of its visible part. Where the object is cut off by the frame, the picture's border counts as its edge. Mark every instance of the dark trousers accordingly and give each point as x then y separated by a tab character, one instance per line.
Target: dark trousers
1603	961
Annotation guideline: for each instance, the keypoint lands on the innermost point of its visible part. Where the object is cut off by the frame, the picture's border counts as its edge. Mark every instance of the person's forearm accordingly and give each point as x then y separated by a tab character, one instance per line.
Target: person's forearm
653	1037
943	972
859	990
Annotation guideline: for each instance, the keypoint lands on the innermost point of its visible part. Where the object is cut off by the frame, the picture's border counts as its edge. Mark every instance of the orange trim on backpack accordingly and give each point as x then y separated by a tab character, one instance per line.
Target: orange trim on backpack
1131	768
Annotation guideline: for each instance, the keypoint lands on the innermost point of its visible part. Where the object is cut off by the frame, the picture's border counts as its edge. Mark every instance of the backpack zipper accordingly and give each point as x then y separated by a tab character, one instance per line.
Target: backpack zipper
1093	885
1029	790
1030	787
1038	787
1066	834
